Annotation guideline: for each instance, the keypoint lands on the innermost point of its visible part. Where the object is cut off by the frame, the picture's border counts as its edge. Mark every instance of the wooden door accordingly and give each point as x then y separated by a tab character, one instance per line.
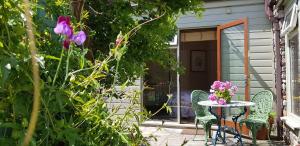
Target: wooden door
232	61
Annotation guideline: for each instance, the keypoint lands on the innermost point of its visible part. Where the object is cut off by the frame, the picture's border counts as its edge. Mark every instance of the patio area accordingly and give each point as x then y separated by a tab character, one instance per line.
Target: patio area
185	136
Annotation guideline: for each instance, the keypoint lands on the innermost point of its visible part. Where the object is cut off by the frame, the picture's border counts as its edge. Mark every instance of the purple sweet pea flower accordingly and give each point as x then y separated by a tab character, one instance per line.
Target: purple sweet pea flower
212	97
63	26
79	38
216	85
222	101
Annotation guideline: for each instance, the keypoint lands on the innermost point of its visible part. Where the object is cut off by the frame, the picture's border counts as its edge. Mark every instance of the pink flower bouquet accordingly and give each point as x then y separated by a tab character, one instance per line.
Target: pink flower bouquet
222	92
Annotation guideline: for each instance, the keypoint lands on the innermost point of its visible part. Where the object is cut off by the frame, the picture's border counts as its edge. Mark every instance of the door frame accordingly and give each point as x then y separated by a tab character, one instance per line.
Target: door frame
246	59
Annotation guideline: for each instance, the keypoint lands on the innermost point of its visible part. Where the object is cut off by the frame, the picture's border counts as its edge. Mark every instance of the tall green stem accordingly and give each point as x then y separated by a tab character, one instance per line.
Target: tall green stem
116	73
58	66
67	66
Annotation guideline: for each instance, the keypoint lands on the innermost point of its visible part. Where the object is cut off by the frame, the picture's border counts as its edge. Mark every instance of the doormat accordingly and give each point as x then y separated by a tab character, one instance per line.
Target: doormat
192	131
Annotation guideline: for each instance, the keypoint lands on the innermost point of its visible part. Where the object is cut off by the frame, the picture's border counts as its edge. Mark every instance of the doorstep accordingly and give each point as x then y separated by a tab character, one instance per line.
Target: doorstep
168	124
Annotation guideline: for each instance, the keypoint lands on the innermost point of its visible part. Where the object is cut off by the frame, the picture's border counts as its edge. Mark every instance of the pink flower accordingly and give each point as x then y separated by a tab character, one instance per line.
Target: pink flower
63	26
234	89
222	101
222	88
227	85
231	93
216	85
212	97
79	38
119	39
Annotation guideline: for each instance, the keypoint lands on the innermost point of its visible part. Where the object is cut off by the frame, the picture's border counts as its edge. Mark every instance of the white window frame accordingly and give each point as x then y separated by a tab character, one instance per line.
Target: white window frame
293	21
174	41
292	118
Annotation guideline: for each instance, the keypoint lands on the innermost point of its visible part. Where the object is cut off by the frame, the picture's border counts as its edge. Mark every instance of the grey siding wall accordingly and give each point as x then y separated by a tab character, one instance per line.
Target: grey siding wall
132	103
260	36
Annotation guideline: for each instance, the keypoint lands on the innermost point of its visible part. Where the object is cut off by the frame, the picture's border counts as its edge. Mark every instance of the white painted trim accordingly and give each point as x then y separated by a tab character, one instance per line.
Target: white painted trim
218	4
200	27
293	20
142	93
167	124
178	78
174	42
288	75
289	35
292	121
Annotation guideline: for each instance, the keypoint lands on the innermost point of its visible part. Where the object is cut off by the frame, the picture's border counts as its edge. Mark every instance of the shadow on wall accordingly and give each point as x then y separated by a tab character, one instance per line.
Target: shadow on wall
252	71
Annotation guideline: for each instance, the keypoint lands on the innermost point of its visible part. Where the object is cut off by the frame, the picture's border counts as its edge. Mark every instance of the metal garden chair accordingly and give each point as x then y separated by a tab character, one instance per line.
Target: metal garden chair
202	115
259	114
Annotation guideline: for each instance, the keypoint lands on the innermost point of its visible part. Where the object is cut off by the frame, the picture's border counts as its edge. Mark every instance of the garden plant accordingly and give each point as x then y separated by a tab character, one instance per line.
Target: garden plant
88	53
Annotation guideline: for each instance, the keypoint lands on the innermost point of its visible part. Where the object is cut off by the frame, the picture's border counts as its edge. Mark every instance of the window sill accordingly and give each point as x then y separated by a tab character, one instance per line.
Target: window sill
291	121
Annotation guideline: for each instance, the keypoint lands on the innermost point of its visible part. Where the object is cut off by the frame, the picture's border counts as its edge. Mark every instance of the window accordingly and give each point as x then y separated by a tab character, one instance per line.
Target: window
295	74
290	20
173	42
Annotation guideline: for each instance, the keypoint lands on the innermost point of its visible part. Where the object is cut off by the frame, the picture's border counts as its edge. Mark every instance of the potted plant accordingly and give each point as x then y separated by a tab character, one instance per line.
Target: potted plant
262	133
222	92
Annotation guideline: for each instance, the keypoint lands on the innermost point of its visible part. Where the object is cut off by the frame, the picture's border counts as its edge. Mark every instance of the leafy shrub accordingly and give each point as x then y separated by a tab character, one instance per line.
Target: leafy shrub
76	91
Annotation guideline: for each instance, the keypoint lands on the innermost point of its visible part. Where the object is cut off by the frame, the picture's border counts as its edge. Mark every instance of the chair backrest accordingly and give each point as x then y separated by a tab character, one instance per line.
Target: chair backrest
263	104
196	96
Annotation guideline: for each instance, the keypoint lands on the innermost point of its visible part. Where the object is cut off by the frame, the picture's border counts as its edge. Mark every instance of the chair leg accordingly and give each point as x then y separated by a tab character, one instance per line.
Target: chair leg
254	131
207	129
196	124
268	129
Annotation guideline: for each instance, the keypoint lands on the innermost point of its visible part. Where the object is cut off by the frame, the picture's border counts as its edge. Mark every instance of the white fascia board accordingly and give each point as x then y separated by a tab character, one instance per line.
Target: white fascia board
217	4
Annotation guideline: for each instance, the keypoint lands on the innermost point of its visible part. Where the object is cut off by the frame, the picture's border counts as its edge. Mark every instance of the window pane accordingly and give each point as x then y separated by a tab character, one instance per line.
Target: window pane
287	19
295	74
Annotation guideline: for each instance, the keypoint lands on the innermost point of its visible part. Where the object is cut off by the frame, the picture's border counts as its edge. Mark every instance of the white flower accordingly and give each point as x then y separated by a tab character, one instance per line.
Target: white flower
211	91
41	61
8	66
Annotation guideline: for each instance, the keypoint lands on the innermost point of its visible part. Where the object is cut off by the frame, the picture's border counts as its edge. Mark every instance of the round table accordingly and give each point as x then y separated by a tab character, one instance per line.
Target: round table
232	104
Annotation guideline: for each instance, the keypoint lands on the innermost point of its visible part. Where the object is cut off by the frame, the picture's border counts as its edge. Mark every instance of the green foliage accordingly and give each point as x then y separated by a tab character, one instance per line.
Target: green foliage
150	42
272	115
77	92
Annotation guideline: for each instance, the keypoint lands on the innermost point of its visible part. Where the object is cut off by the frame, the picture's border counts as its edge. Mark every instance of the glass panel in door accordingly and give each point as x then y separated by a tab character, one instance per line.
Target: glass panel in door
232	62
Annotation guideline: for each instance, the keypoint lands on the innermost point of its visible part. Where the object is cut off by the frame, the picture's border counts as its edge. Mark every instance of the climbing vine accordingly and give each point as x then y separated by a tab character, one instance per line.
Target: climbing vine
80	75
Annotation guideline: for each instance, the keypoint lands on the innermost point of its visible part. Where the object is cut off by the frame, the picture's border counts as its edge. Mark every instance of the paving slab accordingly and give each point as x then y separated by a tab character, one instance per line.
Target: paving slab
186	137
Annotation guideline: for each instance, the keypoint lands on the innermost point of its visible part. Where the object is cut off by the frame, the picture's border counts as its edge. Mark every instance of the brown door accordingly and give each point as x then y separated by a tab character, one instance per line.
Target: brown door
232	61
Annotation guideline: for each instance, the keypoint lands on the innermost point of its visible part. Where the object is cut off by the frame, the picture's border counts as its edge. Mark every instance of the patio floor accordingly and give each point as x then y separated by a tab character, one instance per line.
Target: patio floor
178	137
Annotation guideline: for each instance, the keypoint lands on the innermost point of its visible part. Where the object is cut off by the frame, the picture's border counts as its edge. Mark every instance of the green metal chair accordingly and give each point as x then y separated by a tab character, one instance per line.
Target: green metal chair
202	115
259	114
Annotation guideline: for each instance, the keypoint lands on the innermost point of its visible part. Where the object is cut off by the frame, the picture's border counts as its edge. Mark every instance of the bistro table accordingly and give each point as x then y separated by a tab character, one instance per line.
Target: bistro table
232	104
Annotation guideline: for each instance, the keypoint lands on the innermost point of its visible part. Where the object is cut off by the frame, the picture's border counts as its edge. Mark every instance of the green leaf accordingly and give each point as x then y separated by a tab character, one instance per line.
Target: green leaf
124	139
50	57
